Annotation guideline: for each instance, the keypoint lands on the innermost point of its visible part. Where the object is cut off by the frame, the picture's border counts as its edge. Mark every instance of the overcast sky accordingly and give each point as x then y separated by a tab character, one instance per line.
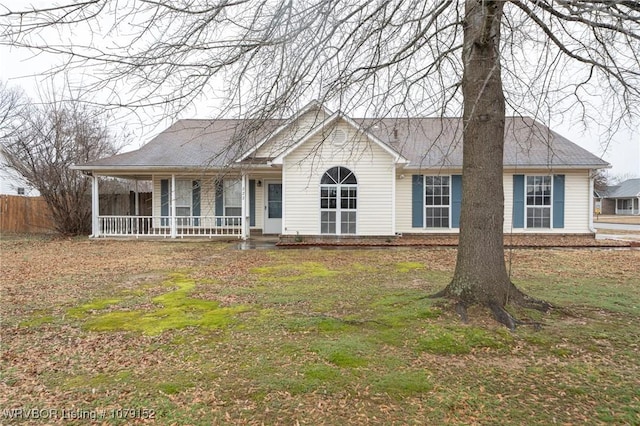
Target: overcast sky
23	69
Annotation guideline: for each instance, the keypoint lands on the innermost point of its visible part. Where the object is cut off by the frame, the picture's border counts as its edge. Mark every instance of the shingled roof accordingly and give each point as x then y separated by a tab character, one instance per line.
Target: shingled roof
630	188
425	142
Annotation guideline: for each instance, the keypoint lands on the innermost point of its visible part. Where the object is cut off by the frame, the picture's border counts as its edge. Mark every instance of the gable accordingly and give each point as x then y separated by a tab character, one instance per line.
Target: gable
337	142
342	135
287	134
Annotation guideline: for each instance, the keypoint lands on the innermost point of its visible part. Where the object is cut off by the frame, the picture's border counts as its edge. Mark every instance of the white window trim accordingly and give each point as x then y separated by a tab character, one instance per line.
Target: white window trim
190	197
338	210
224	196
526	205
424	203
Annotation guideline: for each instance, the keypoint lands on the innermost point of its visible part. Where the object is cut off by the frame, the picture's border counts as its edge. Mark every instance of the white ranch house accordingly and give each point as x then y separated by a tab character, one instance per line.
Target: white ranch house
322	173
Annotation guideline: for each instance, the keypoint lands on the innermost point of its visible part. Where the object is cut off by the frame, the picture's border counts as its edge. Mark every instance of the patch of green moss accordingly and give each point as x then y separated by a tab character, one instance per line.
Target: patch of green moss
408	266
173	310
293	272
95	305
398	310
346	351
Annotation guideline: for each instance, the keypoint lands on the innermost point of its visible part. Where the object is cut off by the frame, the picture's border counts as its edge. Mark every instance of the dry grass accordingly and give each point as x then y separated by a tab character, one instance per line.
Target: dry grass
633	220
309	337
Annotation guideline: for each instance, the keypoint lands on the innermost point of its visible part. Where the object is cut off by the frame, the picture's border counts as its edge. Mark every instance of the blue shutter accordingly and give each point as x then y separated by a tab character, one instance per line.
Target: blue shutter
518	201
164	201
417	201
456	200
252	202
558	201
195	201
219	202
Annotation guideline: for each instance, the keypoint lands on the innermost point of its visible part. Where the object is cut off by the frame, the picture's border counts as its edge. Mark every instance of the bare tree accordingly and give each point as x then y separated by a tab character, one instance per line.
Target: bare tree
12	102
575	59
43	141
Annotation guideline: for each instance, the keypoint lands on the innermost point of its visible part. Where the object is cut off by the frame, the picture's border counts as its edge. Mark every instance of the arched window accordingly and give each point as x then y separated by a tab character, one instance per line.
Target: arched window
338	201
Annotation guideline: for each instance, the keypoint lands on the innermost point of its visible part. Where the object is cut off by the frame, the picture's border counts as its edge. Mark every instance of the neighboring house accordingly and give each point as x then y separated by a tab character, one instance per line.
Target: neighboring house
622	199
11	183
321	173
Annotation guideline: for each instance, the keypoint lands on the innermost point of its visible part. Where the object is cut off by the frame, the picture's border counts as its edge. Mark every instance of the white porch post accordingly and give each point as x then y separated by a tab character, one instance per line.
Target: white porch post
95	207
136	201
245	216
174	222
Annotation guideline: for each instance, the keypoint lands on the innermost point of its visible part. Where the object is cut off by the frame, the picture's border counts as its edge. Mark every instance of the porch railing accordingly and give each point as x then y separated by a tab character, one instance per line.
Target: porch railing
185	226
628	211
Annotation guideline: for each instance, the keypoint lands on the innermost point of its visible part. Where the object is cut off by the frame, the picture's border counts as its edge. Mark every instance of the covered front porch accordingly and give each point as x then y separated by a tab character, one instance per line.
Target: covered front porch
229	205
627	206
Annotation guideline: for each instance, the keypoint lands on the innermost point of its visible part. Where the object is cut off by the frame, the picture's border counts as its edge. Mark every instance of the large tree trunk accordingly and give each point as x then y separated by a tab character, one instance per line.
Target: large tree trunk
480	276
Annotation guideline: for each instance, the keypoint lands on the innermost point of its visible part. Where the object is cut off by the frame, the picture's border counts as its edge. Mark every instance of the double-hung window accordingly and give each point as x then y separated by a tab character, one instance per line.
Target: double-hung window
437	201
184	202
538	199
338	201
232	197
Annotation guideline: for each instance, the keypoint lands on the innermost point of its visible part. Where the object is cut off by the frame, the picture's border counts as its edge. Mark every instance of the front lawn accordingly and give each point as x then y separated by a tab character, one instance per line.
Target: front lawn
200	333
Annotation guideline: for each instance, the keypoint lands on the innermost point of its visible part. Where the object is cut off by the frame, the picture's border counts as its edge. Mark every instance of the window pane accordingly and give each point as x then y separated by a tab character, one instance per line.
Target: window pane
274	195
232	193
328	222
538	201
348	197
437	191
232	211
184	190
347	176
330	176
437	217
348	223
538	217
183	211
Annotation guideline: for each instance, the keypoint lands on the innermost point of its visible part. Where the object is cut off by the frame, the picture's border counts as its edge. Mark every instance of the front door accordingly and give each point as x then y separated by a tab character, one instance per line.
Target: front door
273	208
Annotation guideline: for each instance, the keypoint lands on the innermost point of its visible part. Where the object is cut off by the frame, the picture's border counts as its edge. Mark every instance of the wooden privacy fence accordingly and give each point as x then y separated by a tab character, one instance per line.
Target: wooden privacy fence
24	214
32	215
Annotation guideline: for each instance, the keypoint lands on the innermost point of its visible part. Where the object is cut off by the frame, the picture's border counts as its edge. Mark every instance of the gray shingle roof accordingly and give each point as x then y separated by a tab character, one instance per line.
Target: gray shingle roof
437	142
425	142
630	188
189	144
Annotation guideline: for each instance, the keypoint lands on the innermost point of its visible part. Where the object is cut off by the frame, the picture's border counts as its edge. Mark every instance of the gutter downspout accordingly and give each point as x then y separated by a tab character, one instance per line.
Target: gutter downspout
591	228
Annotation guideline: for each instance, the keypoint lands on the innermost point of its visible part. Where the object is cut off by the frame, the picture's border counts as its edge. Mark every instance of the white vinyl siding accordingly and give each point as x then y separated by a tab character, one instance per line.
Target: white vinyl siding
305	166
259	203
